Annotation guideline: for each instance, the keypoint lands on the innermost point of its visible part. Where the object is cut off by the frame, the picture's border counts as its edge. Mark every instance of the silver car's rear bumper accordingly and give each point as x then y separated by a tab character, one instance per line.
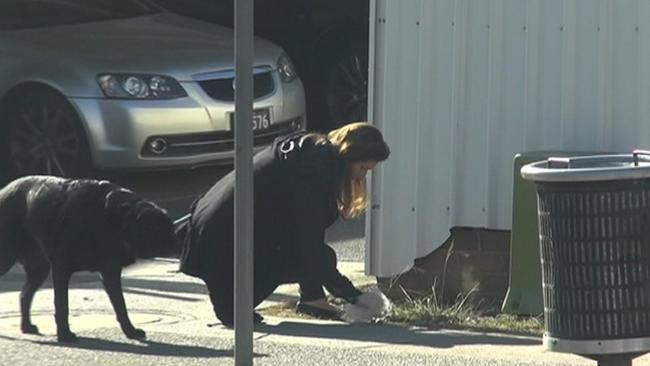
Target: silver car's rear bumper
196	128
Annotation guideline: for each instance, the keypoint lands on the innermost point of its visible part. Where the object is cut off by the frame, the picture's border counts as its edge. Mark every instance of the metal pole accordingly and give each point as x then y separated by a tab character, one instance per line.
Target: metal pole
373	222
243	182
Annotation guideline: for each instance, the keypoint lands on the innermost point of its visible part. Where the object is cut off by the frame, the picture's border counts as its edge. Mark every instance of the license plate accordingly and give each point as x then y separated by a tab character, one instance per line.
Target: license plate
261	119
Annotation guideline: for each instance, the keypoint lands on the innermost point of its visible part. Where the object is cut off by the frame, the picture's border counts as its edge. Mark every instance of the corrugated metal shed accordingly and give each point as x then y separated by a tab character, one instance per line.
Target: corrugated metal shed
460	86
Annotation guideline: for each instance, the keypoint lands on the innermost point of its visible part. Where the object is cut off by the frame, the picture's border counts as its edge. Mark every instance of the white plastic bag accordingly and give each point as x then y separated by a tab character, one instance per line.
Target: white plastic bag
370	305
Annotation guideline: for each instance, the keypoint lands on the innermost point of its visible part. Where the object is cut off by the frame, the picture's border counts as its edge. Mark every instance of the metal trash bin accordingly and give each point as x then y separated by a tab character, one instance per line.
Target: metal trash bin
524	294
594	224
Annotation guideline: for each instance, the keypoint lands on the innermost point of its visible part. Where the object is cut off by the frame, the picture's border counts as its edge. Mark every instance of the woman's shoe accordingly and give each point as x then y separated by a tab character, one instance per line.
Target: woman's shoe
317	312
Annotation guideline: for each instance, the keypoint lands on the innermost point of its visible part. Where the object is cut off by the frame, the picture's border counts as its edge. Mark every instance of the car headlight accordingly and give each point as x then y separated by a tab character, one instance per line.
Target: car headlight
140	86
285	69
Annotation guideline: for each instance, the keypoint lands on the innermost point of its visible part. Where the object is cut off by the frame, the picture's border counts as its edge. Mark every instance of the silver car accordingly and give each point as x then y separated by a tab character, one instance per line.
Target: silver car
119	84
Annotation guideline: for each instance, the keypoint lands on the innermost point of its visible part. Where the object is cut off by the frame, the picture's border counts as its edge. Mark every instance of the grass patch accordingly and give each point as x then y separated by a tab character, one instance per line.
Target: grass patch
465	313
424	313
284	310
430	312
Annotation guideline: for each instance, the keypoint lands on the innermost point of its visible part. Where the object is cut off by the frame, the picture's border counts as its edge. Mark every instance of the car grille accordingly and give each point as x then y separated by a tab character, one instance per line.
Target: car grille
223	90
213	142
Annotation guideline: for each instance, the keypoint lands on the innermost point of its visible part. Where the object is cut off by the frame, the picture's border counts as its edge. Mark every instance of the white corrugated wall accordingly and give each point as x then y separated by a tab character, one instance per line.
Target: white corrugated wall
460	86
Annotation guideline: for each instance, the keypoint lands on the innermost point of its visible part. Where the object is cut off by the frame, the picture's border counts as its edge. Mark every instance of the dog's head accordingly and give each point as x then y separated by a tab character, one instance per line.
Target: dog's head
144	227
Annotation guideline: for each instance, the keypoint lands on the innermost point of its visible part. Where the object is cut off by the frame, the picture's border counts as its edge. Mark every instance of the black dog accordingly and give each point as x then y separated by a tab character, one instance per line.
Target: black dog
75	225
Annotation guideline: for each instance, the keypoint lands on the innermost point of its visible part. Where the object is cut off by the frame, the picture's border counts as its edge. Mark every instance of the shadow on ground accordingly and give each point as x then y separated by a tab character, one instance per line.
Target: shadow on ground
161	288
14	281
145	347
150	348
392	334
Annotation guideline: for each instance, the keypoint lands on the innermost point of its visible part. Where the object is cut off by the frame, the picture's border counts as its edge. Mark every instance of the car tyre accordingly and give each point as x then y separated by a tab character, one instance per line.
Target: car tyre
43	135
347	87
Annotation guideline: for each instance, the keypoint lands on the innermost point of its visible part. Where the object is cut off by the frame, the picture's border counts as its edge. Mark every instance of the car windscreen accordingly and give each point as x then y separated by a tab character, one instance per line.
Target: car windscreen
18	14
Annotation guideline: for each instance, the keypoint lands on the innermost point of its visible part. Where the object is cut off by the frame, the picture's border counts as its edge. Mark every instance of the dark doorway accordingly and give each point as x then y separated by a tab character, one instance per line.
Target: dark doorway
326	39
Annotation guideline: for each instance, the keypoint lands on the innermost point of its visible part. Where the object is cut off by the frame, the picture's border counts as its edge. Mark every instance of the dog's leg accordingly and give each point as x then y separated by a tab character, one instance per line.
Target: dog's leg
112	279
61	281
36	274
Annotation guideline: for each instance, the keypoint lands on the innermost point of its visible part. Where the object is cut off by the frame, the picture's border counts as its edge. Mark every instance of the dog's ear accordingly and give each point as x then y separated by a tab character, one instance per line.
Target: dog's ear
119	197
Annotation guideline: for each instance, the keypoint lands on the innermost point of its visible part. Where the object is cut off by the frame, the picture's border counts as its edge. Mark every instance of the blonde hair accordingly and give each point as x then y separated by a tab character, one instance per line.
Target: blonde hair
358	141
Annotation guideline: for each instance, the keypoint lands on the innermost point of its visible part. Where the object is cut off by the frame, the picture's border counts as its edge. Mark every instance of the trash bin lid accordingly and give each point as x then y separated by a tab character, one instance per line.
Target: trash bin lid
590	168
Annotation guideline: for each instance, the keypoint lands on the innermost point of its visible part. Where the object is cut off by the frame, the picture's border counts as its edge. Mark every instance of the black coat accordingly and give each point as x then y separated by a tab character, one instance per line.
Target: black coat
295	199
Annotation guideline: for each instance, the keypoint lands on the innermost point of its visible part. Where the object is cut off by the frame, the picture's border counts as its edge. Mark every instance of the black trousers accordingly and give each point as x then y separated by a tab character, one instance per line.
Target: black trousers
268	275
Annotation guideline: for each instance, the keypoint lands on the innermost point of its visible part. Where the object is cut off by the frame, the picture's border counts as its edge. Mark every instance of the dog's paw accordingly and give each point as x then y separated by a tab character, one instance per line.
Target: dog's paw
135	333
66	337
29	329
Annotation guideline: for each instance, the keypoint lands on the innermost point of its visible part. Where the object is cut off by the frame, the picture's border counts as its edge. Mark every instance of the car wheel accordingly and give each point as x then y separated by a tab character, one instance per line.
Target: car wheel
347	88
44	136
